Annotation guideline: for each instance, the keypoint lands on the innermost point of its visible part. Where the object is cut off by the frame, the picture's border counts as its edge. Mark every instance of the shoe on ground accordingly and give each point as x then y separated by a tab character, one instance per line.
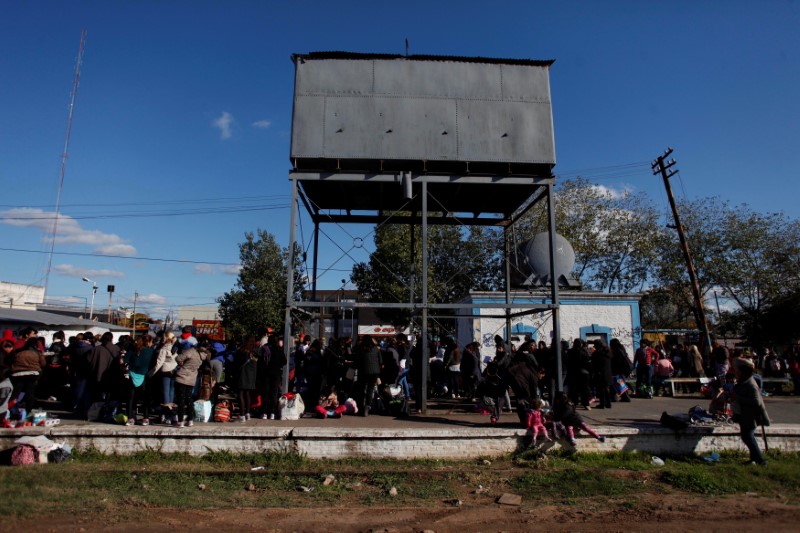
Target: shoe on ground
571	441
247	416
493	420
145	422
272	417
601	439
130	422
264	417
189	424
177	424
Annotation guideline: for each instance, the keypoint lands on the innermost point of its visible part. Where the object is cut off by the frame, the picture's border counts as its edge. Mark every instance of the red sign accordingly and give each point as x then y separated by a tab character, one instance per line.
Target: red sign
211	328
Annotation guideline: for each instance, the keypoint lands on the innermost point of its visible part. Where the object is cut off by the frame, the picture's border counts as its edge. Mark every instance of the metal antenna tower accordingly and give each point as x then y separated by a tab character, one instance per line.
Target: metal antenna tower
64	158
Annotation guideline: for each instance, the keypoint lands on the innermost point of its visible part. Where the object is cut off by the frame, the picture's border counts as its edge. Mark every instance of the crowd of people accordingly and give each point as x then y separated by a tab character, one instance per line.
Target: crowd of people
159	377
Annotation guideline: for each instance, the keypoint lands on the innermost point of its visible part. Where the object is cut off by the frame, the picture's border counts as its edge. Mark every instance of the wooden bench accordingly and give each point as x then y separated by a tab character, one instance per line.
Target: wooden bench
780	382
673	381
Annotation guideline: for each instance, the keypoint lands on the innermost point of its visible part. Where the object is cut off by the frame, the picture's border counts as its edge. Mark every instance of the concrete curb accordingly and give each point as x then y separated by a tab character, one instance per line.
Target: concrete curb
406	443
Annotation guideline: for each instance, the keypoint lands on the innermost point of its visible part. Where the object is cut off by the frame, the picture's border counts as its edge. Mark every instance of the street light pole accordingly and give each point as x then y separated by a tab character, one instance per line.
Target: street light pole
94	291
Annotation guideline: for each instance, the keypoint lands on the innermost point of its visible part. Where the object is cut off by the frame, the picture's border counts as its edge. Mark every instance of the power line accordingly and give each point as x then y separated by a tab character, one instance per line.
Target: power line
159	259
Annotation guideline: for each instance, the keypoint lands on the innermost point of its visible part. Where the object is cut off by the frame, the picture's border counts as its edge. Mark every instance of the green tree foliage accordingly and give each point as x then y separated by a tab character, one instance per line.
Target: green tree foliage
614	235
459	259
750	258
259	296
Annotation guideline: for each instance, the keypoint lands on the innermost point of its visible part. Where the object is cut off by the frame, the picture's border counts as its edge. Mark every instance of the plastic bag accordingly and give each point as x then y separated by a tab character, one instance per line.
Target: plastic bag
292	406
202	411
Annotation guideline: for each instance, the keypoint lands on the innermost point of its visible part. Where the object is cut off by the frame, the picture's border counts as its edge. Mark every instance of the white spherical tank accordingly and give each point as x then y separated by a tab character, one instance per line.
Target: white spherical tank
537	254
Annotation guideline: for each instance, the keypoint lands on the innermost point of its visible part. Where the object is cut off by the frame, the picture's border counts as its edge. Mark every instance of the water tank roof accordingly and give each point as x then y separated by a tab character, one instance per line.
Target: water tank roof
424	57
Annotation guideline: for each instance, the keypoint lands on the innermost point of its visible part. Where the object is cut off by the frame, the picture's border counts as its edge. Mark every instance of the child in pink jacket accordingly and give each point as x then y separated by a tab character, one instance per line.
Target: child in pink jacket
535	420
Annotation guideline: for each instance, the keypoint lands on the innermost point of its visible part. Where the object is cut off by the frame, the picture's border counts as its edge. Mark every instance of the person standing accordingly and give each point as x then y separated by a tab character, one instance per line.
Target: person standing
26	366
369	369
269	373
100	361
601	364
524	381
471	369
188	362
246	363
644	381
579	371
748	408
452	364
719	360
138	362
165	366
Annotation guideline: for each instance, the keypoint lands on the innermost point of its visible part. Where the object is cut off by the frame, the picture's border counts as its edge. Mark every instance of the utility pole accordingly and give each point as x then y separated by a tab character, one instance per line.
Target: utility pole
75	82
661	166
133	319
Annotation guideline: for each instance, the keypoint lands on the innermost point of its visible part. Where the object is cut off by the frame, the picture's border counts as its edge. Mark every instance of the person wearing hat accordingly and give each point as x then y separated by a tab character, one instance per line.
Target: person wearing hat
748	407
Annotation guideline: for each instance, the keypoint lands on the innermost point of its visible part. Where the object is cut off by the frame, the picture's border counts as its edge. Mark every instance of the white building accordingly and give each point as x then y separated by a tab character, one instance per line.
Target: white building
187	313
20	296
583	314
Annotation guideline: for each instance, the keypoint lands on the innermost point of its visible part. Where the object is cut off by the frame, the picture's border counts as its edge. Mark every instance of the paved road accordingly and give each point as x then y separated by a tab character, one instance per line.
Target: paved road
454	413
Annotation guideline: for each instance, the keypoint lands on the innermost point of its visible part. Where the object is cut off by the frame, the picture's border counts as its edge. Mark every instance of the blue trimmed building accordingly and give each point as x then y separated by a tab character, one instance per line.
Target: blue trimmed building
583	314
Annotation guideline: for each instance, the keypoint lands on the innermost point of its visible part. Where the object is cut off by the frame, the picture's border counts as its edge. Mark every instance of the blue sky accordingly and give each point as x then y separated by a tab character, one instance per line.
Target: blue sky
180	135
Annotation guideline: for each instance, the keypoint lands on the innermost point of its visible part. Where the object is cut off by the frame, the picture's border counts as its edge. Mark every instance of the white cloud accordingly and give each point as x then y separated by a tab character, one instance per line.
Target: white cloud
609	191
224	123
153	299
69	231
203	269
80	272
117	249
262	124
231	269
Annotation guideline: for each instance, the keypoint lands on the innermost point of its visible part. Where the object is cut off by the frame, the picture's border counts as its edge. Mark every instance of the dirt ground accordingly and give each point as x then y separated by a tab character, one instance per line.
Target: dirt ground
647	512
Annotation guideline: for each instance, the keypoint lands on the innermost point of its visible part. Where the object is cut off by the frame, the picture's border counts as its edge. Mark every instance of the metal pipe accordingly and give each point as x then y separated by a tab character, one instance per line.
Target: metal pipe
287	327
551	221
424	328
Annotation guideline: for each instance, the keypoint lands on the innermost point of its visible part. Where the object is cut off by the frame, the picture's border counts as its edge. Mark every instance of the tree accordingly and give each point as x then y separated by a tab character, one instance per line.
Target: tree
259	296
612	233
459	259
753	259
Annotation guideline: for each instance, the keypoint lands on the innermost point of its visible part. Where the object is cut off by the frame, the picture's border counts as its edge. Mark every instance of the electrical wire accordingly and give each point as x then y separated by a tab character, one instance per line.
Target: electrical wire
138	258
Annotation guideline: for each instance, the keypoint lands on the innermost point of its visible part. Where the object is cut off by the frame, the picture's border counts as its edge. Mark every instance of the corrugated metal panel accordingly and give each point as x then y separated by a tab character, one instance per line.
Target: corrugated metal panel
438	80
505	131
383	108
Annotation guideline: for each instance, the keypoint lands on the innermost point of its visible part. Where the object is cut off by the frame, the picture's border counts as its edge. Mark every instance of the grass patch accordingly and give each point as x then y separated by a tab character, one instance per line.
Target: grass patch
99	484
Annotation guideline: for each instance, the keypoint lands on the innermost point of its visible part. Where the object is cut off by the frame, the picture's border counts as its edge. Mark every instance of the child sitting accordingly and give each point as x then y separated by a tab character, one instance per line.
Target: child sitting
564	413
535	422
329	404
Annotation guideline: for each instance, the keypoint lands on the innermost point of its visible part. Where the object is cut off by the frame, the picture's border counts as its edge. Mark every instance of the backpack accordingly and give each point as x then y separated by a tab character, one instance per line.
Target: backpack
24	454
222	412
207	383
673	423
